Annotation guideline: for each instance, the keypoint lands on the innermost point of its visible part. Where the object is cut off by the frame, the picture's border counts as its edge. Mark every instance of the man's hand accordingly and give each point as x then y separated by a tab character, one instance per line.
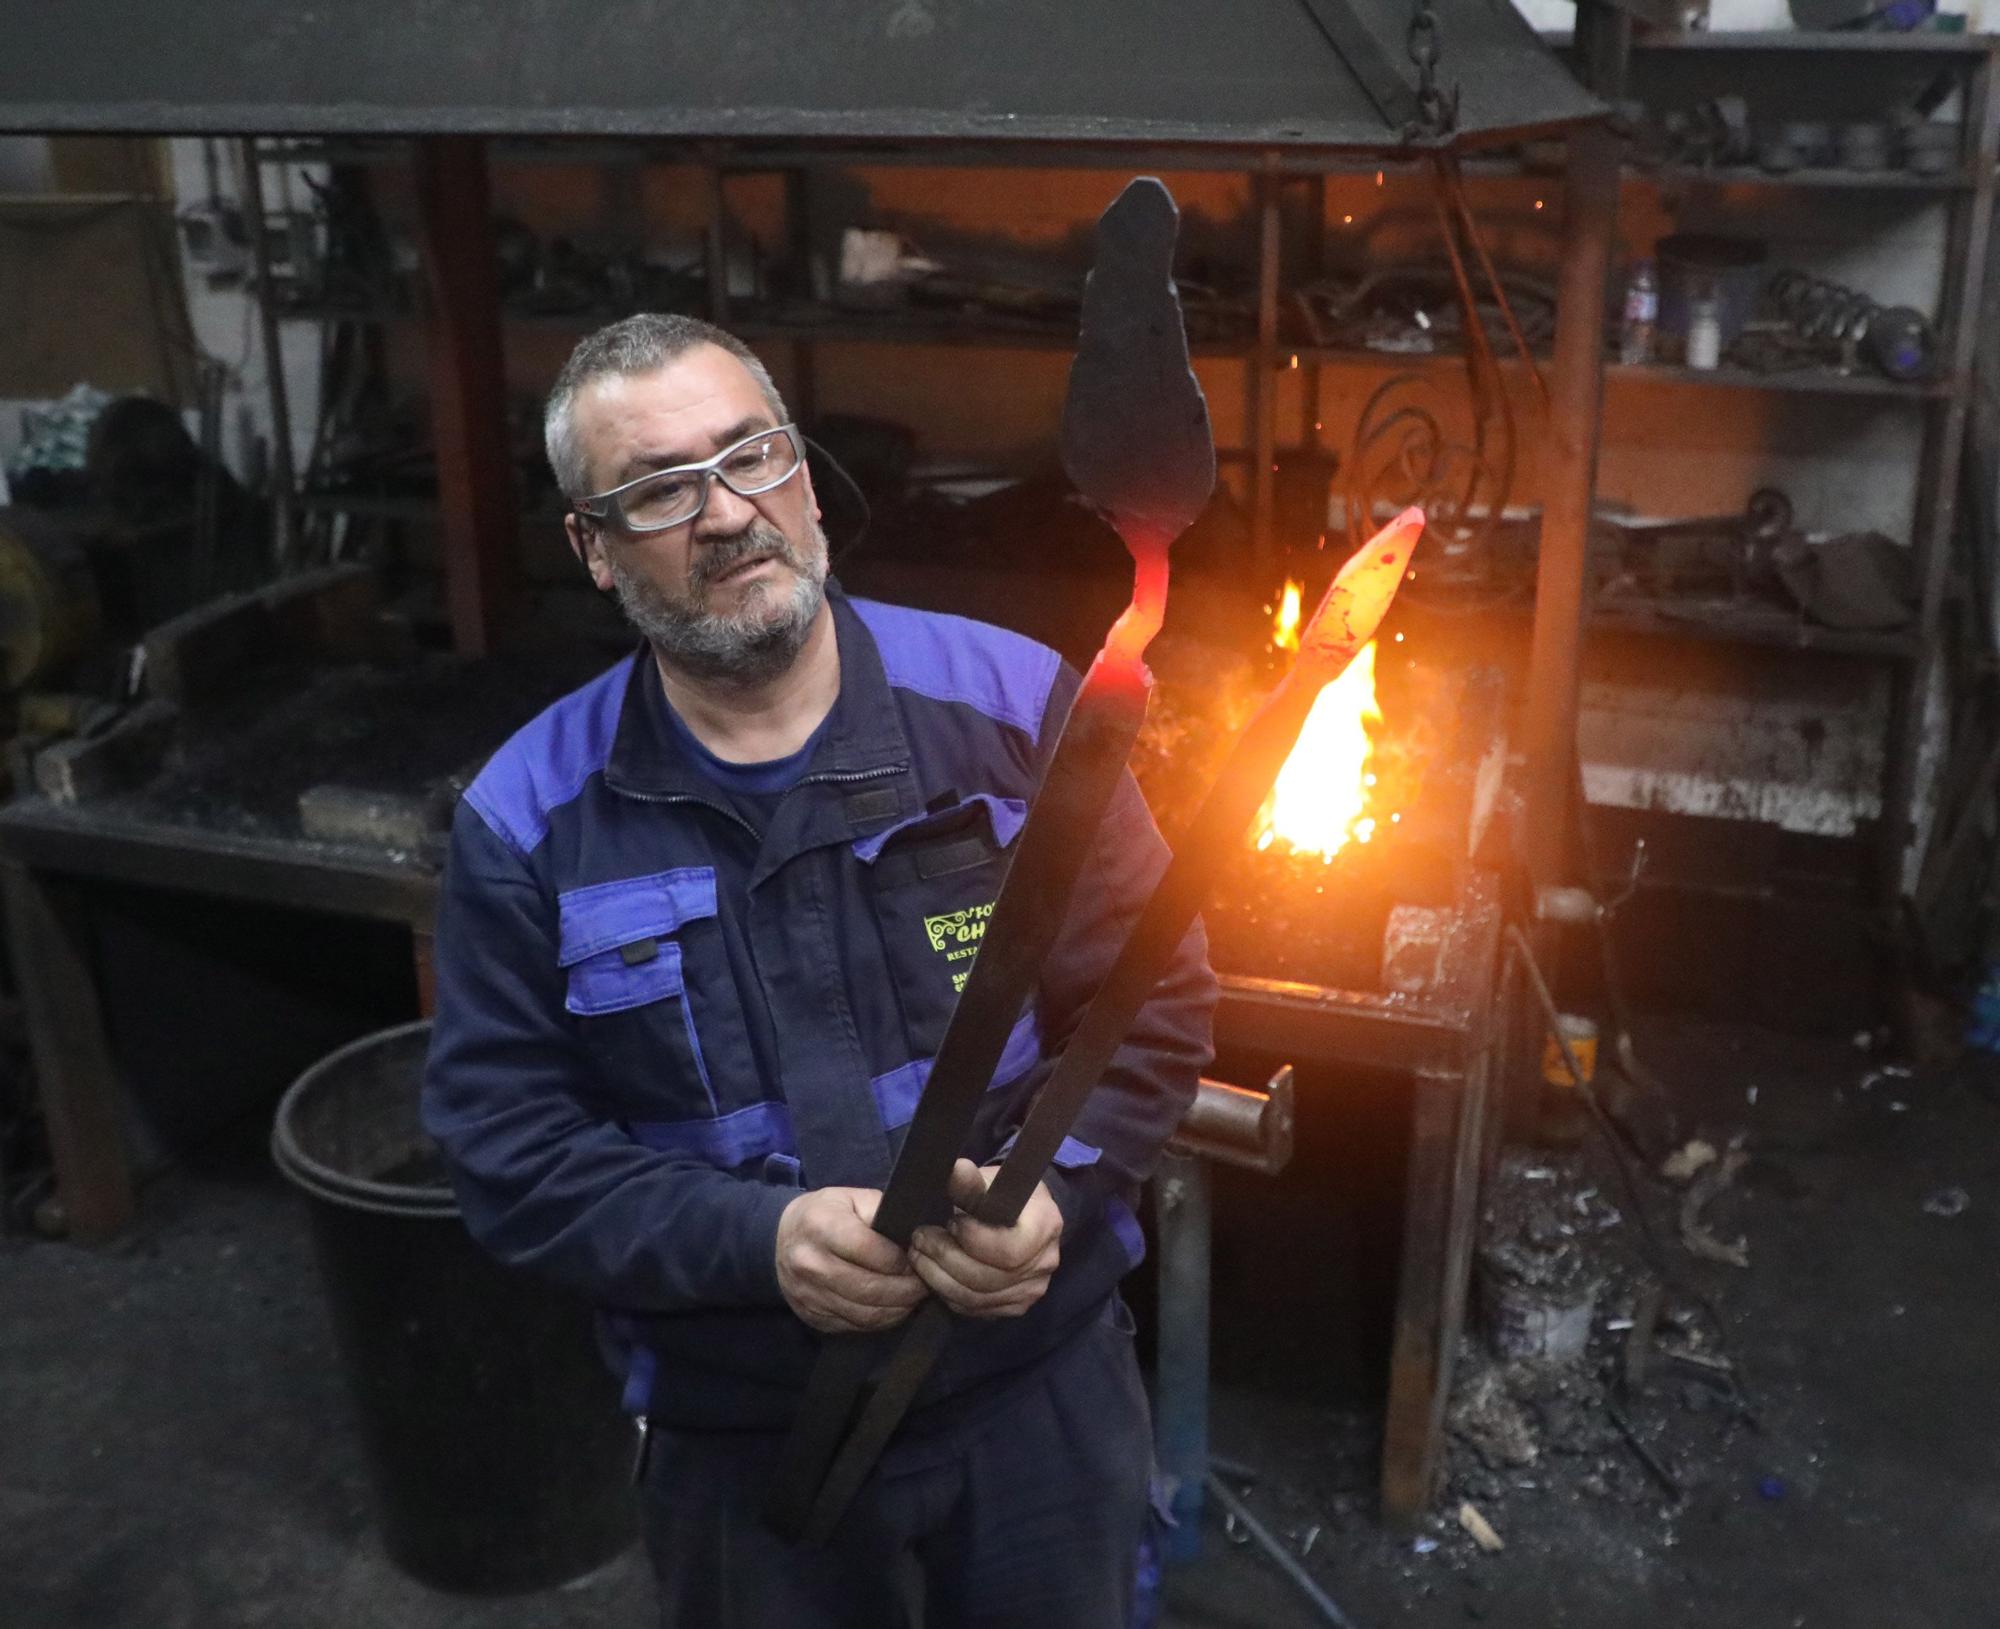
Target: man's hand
835	1271
989	1272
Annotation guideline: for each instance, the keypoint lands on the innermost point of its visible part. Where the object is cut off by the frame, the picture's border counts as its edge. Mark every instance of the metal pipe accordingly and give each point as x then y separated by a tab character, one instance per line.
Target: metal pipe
1182	1209
1240	1126
1227	1113
250	181
1590	209
1268	1541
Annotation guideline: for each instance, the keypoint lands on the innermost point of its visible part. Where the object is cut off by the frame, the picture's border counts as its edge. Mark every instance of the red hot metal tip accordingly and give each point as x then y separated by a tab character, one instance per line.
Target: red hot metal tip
1361	592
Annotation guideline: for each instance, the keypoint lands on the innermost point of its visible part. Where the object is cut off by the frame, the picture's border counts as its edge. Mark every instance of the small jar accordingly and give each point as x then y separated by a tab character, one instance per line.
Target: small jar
1704	338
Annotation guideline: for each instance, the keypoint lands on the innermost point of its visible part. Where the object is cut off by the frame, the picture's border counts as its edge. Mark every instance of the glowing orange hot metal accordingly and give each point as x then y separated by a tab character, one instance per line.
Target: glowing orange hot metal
1319	802
1359	595
1125	646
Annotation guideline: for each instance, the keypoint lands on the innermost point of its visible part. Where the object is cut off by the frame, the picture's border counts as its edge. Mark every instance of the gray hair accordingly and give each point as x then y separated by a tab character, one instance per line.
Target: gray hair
632	345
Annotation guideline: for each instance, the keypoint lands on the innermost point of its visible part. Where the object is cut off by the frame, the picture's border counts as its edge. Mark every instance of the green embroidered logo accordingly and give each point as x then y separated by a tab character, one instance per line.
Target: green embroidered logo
955	935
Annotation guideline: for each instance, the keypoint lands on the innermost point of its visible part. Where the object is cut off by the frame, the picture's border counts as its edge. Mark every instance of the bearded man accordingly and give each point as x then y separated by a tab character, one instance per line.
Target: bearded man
702	928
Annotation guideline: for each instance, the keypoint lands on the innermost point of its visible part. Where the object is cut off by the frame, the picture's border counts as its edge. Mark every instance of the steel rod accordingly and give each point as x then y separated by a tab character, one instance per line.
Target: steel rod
1293	1569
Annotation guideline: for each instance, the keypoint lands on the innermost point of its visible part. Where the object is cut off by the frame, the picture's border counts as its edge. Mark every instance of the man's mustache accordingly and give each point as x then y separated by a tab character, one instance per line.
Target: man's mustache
723	555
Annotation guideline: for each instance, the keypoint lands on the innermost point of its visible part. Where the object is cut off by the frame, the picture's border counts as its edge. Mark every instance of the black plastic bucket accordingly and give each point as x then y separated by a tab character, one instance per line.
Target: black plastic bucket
490	1424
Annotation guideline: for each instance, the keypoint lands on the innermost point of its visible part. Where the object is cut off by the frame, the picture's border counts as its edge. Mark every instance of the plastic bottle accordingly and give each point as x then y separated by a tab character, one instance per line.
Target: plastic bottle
1704	346
1642	312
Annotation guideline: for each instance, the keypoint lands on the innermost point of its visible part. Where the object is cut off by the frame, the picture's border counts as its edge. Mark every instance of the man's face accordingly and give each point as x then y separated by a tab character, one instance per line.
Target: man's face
733	593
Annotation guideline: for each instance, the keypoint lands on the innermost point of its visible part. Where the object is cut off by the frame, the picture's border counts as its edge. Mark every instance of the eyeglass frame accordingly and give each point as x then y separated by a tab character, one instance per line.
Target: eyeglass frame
709	469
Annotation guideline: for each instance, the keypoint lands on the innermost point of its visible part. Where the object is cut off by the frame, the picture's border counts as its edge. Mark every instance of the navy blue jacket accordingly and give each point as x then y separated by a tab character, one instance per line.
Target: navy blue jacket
654	1028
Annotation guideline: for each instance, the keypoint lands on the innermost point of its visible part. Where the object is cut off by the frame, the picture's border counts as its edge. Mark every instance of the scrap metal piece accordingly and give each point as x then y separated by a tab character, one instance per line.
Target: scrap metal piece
1695	1233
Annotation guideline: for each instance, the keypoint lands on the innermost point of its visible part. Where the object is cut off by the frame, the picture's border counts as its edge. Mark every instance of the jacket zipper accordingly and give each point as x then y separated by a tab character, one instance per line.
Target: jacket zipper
835	776
685	797
832	777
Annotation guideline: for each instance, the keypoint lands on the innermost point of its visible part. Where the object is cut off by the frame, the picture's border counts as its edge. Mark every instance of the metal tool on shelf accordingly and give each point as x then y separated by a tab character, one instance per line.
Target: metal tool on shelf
1898	341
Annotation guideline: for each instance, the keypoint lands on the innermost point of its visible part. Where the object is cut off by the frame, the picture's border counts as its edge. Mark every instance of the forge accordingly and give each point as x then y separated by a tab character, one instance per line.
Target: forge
1357	932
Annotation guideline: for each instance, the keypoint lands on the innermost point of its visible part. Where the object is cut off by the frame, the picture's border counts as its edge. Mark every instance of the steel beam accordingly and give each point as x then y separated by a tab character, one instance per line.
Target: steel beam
1441	1223
479	515
1576	389
1938	492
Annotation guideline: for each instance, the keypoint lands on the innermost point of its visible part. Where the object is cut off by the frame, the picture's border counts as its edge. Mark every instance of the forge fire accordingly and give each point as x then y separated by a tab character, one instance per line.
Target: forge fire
1324	795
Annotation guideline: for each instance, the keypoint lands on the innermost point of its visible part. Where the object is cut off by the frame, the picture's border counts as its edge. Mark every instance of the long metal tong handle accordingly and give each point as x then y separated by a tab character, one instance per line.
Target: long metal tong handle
1163	923
1344	622
1033	900
1136	441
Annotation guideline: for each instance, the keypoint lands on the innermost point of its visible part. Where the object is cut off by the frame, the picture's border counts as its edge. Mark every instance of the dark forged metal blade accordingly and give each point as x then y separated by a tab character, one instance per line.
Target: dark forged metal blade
1135	436
1131	350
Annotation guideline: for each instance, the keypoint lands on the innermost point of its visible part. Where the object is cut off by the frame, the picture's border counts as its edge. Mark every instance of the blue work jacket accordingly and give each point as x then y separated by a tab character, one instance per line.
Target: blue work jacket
655	1026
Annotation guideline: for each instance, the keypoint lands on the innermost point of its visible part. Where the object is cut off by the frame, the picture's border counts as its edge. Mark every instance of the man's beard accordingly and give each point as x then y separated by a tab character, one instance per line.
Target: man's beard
749	646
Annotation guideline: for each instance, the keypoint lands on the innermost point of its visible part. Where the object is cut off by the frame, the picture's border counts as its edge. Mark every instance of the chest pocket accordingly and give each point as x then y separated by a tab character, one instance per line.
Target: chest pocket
934	880
628	982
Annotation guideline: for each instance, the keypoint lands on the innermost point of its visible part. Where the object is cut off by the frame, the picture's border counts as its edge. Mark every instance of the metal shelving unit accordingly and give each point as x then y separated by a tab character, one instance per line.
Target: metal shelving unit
1732	175
1913	654
837	326
1807	381
1736	625
1967	191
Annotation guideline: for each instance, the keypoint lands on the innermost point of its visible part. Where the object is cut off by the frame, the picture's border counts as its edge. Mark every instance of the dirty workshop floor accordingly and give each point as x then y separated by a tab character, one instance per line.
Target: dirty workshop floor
174	1448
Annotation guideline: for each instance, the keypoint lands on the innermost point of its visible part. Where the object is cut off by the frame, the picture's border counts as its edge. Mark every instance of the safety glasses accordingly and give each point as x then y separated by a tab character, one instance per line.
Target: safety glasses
665	498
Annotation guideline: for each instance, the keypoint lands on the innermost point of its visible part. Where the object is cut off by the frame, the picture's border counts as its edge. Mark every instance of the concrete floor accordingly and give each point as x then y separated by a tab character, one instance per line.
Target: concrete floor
175	1450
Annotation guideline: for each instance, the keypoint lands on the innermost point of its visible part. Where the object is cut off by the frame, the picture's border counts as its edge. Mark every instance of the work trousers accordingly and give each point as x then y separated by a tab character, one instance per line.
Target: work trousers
1030	1519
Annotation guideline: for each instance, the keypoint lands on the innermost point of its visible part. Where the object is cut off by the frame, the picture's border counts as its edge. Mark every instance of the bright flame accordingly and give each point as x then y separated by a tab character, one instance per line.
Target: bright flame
1319	803
1285	632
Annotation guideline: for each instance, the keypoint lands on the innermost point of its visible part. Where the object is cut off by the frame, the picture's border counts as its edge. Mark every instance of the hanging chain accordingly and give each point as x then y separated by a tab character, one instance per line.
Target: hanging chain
1437	110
